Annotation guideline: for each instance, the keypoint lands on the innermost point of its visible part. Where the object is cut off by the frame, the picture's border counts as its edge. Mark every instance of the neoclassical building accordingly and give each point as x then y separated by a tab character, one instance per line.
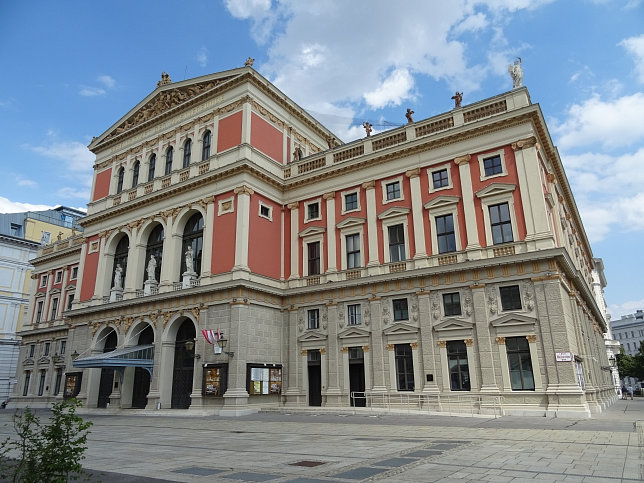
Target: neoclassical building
441	261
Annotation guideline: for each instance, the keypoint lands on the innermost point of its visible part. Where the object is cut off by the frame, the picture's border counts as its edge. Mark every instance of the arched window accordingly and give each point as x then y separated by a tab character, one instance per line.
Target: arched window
135	174
120	259
119	184
205	151
187	148
152	166
155	247
168	160
193	237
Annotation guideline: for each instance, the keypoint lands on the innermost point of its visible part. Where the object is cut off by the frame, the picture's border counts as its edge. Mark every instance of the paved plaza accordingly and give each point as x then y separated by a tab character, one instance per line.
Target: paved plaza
335	446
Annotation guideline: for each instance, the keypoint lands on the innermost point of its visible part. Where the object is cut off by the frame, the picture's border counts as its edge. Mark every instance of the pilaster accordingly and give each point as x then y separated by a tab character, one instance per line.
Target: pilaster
370	190
471	229
420	256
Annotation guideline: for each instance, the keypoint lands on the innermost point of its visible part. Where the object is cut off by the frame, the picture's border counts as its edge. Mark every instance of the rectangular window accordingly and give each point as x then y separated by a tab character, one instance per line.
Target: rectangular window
400	309
493	165
47	346
54	308
265	211
500	223
313	317
63	347
452	304
440	178
39	310
214	380
70	301
404	367
351	201
353	250
32	350
313	211
510	297
43	281
459	373
520	364
355	316
396	243
393	190
445	234
16	230
59	380
59	276
41	386
74	273
314	258
264	380
25	389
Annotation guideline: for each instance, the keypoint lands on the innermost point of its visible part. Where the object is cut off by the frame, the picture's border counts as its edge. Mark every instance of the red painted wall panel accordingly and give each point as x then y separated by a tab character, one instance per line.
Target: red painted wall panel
266	138
324	258
229	134
223	243
89	272
102	186
264	251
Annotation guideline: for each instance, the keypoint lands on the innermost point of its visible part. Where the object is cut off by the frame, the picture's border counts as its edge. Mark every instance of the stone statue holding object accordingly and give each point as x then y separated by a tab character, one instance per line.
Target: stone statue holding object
152	268
367	127
458	98
118	277
516	72
408	115
189	260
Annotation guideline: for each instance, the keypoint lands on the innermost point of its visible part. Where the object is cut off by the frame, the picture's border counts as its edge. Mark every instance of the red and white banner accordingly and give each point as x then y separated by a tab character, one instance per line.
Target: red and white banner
212	337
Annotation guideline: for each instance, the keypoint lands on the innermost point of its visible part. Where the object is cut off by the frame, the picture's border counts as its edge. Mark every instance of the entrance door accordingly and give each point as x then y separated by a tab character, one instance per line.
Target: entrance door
141	388
356	377
107	374
184	362
315	378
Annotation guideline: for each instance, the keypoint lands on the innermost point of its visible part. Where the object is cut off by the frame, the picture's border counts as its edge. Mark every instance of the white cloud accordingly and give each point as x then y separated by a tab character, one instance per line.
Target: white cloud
617	311
26	182
92	91
473	23
107	81
392	90
73	193
260	12
202	56
8	206
612	124
74	155
635	46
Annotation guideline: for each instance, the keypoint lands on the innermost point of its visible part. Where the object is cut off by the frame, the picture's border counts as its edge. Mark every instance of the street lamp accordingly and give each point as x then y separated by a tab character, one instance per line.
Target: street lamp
222	343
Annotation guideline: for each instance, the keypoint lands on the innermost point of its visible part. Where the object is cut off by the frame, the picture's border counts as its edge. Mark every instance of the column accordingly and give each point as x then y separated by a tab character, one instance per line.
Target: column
532	198
378	352
243	220
483	342
295	242
418	372
346	379
427	341
293	389
330	238
393	379
246	123
505	369
442	349
102	277
236	396
154	394
473	244
135	266
367	368
171	264
420	257
324	376
471	358
79	279
534	358
333	389
208	236
372	227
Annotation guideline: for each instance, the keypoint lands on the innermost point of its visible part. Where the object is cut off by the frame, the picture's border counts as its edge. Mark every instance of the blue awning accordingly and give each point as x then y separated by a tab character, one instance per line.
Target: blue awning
135	356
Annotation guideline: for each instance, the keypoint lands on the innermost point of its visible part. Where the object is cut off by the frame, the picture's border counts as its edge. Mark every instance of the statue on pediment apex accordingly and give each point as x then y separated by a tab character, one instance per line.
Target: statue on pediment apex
165	79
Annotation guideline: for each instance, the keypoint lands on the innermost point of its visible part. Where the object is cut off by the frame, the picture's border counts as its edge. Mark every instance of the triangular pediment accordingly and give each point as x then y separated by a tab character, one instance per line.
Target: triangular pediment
351	221
43	360
442	201
393	212
312	230
166	97
511	320
400	329
496	189
453	323
352	332
312	336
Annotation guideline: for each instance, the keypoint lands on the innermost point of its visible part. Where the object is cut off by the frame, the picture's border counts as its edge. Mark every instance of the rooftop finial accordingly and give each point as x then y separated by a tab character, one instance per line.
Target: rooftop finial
249	62
165	79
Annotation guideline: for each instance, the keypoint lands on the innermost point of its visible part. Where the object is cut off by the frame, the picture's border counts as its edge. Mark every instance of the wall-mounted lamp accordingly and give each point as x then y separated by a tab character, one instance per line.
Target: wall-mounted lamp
222	343
75	355
189	345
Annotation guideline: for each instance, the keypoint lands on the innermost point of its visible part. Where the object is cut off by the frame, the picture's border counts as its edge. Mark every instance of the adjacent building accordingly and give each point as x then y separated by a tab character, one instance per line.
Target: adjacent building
21	234
237	255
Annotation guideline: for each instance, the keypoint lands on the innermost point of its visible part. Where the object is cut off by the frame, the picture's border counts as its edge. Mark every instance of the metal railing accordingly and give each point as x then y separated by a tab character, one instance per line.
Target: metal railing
452	404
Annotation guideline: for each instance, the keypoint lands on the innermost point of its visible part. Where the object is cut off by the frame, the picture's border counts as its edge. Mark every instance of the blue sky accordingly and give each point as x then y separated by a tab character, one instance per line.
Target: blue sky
71	69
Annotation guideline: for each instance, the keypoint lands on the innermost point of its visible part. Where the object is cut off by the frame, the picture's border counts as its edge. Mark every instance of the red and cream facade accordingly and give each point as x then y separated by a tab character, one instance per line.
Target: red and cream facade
439	259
